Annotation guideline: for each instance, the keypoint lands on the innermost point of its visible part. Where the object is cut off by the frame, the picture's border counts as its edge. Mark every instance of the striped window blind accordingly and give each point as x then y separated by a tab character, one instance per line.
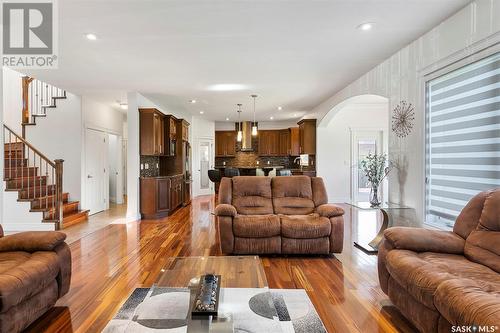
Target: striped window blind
463	138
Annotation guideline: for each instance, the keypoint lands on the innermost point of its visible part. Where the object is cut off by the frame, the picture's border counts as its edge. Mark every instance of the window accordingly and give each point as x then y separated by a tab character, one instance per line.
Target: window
463	138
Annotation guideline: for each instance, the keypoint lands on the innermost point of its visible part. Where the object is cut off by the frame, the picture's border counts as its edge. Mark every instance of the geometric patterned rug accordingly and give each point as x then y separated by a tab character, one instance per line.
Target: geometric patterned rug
244	310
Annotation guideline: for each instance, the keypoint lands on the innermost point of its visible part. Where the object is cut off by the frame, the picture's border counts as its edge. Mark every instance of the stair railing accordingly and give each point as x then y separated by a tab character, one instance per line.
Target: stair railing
37	97
36	177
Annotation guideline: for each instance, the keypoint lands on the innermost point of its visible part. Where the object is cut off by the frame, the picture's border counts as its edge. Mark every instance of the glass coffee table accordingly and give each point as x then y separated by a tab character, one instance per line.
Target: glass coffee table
393	215
244	299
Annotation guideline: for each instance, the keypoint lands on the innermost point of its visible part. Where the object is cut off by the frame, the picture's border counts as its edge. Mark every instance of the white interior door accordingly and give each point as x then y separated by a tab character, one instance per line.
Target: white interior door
95	168
363	143
205	163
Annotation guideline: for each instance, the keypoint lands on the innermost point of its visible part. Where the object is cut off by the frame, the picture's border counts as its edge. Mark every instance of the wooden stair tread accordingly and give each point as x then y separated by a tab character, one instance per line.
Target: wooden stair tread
72	219
51	208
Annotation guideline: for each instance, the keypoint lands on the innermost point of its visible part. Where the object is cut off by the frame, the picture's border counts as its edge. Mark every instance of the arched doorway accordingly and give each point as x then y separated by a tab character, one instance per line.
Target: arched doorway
347	133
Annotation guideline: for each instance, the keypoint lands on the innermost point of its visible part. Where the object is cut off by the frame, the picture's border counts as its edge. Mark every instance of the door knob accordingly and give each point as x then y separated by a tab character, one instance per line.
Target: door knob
89	176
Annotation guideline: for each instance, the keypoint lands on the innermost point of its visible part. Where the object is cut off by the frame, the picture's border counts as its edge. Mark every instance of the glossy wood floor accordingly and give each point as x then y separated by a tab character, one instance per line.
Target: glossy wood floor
111	258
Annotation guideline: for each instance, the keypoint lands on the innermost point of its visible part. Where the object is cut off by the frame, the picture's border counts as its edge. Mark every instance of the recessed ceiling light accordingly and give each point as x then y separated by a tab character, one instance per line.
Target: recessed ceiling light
91	36
192	101
202	112
295	115
366	26
280	108
271	117
227	118
227	87
123	106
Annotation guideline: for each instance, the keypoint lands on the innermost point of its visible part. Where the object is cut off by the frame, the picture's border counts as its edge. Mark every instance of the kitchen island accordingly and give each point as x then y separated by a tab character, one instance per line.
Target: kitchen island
247	170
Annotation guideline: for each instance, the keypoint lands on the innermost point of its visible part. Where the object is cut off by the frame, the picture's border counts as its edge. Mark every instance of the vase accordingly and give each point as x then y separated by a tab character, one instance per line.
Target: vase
375	197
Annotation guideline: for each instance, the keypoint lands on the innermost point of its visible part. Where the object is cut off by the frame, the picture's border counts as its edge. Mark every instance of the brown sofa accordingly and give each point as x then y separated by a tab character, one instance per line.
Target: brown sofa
289	215
35	270
440	279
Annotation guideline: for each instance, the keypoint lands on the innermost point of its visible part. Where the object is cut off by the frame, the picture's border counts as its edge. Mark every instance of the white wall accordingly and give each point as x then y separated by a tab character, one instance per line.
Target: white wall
12	99
200	129
333	161
401	77
59	136
113	147
102	117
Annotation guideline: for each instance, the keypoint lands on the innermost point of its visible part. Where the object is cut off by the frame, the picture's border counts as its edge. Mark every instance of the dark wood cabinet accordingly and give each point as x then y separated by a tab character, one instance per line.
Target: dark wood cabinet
176	197
152	142
284	142
269	143
225	143
185	131
160	196
294	141
307	136
170	135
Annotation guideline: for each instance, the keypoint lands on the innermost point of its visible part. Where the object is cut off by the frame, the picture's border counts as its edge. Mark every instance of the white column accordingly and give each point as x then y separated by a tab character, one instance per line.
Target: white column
133	199
1	148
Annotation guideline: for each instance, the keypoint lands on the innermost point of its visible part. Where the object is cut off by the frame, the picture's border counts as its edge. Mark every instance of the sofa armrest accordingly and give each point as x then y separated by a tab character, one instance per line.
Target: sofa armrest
329	210
225	210
32	241
424	240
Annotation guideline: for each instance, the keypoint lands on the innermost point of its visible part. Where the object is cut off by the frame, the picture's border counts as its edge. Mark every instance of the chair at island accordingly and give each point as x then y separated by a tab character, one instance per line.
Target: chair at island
279	215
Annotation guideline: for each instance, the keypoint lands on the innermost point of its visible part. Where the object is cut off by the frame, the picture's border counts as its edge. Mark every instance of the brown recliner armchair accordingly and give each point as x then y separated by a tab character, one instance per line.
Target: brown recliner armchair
289	215
440	279
35	271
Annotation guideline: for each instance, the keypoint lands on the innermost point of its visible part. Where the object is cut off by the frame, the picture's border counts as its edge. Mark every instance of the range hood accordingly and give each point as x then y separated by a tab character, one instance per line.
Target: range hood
246	140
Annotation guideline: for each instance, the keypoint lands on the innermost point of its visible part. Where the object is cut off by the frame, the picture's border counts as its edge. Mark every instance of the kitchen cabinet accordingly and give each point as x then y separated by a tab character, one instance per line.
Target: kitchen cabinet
170	135
284	142
307	136
225	143
294	141
176	197
152	141
185	131
269	143
160	196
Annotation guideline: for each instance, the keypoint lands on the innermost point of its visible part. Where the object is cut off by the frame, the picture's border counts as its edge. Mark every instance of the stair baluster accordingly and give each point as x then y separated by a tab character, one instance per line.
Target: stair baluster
23	156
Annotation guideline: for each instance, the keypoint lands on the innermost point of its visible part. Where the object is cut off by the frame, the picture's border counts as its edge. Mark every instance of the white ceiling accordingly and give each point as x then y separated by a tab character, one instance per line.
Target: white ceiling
293	54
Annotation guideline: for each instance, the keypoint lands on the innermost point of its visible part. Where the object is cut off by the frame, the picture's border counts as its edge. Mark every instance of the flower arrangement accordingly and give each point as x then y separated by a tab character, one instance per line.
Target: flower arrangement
376	167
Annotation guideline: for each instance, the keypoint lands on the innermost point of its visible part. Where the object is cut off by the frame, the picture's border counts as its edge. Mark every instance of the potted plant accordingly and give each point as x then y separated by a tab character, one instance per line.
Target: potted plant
376	167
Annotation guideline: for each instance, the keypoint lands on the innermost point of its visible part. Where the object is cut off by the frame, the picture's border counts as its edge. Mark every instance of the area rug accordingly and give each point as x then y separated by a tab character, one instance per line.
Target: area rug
248	310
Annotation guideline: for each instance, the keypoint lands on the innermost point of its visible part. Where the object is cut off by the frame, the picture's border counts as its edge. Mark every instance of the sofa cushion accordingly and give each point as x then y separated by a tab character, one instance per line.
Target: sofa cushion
252	195
24	275
305	226
483	245
305	245
467	302
421	273
256	226
292	195
268	245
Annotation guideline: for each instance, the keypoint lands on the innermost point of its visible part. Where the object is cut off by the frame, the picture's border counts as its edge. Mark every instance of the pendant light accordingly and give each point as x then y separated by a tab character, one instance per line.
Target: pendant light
239	126
255	130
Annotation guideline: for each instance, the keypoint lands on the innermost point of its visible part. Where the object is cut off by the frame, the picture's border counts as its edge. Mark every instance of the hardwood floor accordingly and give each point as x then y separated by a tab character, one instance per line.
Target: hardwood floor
111	259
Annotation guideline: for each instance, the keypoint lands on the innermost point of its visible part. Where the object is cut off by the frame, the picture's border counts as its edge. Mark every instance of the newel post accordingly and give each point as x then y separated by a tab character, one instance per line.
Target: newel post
59	194
25	118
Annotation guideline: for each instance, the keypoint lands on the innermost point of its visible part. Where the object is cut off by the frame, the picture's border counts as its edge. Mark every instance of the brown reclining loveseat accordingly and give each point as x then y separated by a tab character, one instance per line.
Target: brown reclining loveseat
440	279
288	214
35	271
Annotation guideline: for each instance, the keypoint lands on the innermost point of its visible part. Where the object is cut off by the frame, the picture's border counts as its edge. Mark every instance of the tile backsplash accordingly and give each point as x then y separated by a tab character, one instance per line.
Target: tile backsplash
150	166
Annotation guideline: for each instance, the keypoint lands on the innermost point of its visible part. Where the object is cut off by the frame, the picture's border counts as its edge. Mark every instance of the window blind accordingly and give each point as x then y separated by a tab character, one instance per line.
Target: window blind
463	138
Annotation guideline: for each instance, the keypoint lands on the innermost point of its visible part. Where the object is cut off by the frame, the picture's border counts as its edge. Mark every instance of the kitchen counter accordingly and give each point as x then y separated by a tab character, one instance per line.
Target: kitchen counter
160	177
250	167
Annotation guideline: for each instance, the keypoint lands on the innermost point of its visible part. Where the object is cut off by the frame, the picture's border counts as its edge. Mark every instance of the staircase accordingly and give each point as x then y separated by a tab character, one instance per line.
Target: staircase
36	178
